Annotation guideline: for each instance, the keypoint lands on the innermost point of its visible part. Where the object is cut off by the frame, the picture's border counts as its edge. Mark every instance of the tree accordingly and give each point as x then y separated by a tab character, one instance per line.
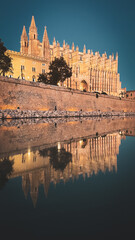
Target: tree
5	60
59	71
6	168
59	159
43	77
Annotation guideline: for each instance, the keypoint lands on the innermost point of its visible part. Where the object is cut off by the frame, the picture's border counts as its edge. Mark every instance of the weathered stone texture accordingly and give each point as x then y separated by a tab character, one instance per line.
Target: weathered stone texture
23	95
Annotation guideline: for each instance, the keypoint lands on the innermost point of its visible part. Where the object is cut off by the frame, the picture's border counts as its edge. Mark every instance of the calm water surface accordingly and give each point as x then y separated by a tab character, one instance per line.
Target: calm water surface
67	178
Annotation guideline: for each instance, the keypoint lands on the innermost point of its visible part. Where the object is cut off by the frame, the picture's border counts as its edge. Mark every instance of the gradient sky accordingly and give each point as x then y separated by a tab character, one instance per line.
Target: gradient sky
103	25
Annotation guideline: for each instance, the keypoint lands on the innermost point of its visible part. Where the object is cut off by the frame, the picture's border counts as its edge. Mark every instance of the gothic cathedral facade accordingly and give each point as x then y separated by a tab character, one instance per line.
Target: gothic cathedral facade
90	72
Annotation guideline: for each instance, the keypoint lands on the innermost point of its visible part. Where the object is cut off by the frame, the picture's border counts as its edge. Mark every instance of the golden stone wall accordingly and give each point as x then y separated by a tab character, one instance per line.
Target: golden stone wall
25	95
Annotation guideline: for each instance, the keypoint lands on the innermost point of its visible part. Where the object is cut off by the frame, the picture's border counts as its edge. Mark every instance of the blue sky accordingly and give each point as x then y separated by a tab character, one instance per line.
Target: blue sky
102	25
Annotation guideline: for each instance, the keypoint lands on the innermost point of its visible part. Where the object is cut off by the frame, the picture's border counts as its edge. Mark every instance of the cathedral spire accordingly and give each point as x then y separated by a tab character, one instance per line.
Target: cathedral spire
33	30
58	45
64	44
84	50
54	42
33	25
25	184
24	41
33	39
77	48
45	36
46	46
73	47
24	34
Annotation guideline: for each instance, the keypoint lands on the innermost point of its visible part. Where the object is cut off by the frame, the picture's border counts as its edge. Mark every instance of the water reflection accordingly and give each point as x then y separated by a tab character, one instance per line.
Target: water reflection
6	168
61	160
65	161
58	157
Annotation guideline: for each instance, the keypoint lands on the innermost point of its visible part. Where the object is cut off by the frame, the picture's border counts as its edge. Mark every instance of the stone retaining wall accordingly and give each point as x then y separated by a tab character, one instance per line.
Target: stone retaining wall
21	99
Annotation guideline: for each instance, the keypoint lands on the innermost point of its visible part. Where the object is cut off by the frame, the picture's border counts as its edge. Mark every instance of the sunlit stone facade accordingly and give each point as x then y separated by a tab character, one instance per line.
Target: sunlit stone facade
90	71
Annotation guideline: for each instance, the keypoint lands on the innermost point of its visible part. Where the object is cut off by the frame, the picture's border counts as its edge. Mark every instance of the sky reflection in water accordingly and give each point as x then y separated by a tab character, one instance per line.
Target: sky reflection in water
65	182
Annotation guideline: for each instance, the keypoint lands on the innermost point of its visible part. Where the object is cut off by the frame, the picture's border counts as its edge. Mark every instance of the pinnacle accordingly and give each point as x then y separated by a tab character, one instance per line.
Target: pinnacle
24	34
84	49
77	48
45	36
73	46
33	25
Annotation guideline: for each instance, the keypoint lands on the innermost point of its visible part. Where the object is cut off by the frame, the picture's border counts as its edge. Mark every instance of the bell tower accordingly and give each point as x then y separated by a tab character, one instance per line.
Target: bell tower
33	39
24	42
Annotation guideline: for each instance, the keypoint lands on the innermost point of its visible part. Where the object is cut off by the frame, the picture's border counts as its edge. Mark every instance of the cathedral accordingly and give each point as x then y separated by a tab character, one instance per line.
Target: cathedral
90	72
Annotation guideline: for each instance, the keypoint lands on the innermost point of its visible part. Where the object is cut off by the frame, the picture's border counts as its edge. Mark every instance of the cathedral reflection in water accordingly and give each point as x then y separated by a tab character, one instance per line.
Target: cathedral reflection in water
64	161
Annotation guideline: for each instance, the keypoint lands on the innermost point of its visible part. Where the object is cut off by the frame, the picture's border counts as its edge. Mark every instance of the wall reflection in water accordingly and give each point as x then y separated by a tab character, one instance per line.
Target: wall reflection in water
64	161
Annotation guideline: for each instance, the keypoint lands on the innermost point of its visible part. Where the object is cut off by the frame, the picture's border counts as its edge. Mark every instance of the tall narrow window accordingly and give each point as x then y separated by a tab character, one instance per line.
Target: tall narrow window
33	69
22	67
34	36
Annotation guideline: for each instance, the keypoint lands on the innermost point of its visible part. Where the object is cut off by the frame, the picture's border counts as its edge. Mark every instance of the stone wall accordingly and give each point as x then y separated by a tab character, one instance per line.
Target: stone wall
23	95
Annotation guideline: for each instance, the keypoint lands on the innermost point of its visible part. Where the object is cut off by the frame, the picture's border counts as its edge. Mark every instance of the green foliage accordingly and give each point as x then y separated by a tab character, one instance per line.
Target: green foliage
5	60
59	71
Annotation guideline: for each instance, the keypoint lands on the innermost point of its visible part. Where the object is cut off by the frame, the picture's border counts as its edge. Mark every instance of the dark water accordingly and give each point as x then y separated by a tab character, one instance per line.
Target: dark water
83	186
